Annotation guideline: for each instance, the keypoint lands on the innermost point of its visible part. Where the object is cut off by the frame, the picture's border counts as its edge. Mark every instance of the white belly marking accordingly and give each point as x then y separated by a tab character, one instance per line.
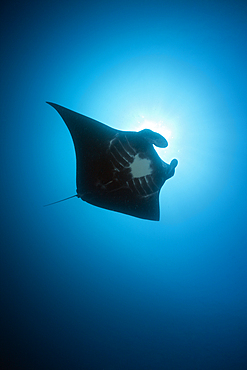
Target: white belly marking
140	167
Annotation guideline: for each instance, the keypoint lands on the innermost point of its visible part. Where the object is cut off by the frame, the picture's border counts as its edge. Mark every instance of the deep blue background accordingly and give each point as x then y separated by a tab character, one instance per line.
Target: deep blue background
86	288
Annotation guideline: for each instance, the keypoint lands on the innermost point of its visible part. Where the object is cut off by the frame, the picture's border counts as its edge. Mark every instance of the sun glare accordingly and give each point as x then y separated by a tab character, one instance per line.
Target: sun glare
156	126
166	127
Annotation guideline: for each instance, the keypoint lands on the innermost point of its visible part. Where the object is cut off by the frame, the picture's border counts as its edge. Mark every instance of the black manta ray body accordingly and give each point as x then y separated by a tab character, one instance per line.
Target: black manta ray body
117	170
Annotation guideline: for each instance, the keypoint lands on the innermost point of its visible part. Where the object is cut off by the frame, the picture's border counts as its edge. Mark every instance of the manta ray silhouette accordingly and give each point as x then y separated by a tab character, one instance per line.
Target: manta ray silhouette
117	170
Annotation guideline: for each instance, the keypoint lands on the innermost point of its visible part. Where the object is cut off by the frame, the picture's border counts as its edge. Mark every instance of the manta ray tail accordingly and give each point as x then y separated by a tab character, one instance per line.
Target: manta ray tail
62	200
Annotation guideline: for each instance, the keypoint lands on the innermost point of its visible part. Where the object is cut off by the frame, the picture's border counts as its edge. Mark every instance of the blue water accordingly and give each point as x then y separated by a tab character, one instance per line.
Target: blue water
86	288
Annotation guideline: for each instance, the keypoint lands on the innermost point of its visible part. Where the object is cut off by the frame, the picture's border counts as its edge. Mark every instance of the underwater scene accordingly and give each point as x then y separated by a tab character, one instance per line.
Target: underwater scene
144	267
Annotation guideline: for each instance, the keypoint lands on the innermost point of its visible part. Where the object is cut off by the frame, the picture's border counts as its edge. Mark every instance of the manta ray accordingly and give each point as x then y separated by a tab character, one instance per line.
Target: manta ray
117	170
